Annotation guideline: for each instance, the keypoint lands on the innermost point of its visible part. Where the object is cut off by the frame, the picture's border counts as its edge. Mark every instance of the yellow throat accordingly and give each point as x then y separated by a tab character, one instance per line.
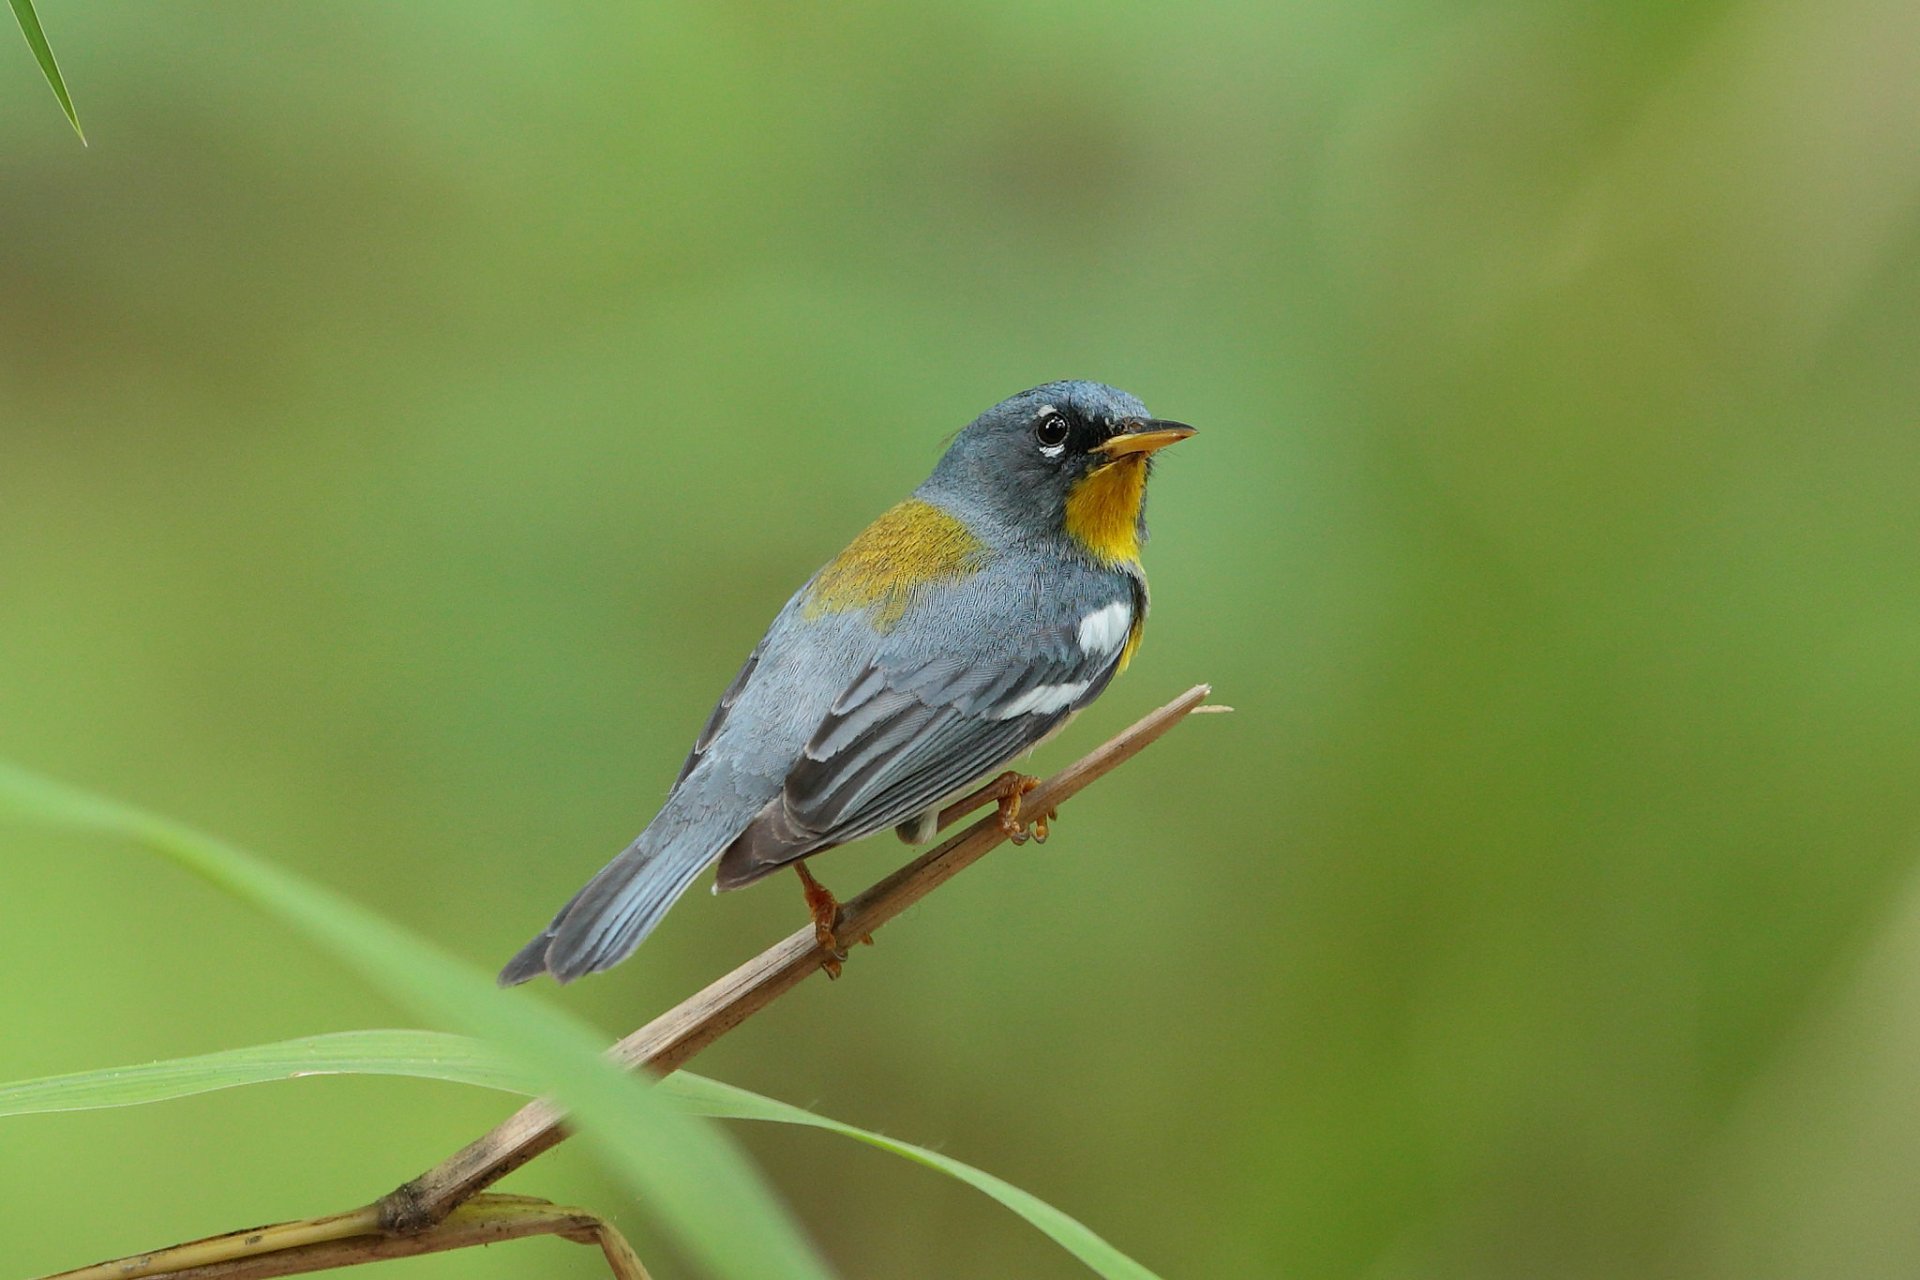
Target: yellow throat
1103	510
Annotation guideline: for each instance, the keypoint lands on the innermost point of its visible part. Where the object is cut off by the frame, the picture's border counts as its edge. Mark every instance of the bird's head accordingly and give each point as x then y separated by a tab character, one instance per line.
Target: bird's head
1067	459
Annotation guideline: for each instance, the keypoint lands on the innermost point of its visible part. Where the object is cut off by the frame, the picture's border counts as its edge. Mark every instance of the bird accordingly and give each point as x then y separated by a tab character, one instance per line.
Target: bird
958	631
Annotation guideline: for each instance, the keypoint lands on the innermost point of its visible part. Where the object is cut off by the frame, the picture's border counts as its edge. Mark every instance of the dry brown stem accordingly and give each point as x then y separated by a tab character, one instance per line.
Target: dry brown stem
349	1239
420	1216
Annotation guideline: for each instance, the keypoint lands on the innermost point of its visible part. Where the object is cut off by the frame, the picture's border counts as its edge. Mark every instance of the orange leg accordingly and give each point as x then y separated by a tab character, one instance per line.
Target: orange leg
1007	791
825	910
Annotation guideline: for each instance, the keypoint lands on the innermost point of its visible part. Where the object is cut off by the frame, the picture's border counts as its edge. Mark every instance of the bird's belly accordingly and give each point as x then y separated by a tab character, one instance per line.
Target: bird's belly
1050	734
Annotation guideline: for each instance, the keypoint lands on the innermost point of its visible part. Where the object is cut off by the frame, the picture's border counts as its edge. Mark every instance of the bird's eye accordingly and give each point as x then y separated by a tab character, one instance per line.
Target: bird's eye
1050	431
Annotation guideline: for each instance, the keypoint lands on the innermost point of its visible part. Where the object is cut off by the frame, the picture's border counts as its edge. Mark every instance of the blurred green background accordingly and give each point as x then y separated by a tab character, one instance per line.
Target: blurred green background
411	414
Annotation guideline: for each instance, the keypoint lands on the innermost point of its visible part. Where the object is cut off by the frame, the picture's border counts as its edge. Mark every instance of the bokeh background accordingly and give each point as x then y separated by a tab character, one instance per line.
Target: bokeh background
410	415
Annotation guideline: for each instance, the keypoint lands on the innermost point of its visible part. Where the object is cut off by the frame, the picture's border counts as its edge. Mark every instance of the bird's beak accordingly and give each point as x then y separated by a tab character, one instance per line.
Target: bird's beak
1143	436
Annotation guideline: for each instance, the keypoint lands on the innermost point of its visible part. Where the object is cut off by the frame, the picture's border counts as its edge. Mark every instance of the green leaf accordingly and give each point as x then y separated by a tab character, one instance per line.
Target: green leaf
435	1055
688	1173
425	1055
43	54
712	1098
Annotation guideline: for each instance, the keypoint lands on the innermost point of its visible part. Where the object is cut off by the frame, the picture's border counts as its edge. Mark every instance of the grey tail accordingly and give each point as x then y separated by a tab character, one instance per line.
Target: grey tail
603	923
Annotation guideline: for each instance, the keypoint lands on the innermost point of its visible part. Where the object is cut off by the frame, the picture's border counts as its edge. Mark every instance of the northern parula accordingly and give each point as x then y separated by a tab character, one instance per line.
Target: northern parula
952	636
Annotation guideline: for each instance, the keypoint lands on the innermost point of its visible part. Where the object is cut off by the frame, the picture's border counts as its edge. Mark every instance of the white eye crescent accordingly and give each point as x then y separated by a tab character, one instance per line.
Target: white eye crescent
1051	430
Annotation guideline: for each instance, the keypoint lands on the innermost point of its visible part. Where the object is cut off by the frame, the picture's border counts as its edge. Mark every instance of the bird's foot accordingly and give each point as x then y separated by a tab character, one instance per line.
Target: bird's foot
1009	789
824	908
1006	791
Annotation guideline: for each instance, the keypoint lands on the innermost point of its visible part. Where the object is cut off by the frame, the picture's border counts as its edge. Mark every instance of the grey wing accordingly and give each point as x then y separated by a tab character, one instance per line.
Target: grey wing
906	733
731	695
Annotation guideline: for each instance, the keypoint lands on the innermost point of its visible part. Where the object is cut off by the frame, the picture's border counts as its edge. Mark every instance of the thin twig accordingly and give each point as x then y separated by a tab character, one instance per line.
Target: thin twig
295	1248
670	1040
422	1212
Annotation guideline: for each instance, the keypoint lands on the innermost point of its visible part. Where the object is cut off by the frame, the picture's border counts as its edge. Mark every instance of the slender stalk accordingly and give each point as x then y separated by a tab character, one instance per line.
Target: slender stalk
443	1208
317	1244
670	1040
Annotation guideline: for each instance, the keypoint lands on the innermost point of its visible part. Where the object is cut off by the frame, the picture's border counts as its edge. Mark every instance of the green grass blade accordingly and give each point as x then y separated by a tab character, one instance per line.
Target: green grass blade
43	54
688	1173
712	1098
436	1055
422	1055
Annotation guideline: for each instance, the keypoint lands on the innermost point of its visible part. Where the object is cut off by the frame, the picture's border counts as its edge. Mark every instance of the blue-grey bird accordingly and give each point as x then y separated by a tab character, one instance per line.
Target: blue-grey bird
952	636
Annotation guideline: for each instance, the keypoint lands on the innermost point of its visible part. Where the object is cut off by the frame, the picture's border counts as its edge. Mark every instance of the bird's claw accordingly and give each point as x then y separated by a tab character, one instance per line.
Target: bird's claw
1009	790
825	910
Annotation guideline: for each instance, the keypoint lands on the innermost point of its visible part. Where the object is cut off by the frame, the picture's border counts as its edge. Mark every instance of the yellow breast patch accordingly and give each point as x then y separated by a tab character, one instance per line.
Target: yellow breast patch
1103	511
907	549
